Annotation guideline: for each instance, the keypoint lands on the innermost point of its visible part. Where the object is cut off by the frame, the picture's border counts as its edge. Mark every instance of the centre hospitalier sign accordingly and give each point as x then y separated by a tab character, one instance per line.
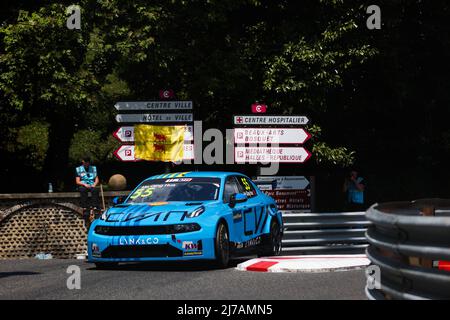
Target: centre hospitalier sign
263	138
269	120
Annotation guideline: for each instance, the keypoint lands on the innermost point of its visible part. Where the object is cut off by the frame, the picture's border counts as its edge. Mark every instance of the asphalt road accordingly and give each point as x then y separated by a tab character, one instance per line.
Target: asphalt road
46	279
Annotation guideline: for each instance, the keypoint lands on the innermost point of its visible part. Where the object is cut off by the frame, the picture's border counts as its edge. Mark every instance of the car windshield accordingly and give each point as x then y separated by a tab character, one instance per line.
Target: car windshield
176	189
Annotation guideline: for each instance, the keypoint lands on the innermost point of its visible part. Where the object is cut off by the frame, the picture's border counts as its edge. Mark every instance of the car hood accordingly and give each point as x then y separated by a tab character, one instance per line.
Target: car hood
154	213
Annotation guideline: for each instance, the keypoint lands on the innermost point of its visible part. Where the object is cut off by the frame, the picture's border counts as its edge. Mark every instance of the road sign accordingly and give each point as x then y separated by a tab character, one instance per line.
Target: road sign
126	152
155	118
271	135
291	193
285	182
153	105
126	134
166	94
271	154
270	120
259	108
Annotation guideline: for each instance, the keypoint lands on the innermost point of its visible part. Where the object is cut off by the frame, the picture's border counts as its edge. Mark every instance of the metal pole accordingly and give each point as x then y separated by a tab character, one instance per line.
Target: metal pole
103	197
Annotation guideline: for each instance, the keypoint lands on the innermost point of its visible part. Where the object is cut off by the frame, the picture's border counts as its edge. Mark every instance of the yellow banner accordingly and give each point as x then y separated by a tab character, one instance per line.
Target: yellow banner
159	143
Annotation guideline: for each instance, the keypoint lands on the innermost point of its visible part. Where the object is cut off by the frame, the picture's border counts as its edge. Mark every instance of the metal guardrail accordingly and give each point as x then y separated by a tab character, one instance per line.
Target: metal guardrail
322	233
406	239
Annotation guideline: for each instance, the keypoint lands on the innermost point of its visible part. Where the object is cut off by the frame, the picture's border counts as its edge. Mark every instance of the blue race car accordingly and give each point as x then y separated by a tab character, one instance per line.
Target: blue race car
187	216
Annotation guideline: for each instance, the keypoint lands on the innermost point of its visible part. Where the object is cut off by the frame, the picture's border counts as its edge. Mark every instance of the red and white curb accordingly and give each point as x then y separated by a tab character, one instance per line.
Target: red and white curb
313	263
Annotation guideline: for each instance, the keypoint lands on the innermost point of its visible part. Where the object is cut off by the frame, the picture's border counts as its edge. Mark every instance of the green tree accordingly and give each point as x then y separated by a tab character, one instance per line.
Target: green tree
44	74
93	144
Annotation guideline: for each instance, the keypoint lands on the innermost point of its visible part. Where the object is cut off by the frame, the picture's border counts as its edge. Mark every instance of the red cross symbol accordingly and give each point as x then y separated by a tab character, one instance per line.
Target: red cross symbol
239	119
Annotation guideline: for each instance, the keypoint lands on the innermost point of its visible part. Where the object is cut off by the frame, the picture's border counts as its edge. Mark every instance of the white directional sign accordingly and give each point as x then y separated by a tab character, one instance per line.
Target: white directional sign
126	152
153	105
126	134
270	120
270	154
271	135
154	117
286	182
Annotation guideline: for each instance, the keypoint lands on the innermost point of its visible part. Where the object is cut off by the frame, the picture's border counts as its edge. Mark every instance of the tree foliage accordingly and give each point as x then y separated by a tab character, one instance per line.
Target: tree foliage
93	144
29	143
300	57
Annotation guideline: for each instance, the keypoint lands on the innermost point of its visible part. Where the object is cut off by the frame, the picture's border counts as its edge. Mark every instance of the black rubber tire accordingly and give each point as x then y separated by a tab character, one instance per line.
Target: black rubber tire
106	265
273	245
222	246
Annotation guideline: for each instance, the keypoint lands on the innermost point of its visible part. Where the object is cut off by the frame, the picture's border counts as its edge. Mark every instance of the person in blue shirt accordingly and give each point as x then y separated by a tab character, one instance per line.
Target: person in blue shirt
87	181
354	188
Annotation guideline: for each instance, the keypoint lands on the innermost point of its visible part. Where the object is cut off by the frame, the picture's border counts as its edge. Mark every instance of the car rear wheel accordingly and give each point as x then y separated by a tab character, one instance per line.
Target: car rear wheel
272	247
222	246
106	265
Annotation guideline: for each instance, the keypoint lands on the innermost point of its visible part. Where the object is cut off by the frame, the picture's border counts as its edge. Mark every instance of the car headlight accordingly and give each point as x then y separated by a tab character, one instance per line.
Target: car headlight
196	212
185	227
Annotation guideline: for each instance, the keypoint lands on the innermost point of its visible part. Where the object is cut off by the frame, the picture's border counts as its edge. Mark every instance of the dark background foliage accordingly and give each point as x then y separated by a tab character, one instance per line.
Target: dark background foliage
378	99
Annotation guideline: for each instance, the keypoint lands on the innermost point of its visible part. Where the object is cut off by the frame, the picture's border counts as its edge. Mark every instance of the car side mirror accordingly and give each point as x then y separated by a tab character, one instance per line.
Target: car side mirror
237	198
119	200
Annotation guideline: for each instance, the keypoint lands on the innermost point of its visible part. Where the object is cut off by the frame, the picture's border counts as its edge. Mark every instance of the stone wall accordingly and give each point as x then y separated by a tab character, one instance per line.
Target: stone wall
43	223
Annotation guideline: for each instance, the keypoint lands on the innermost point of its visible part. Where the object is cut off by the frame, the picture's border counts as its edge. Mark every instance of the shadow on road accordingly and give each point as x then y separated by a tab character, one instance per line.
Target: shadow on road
176	266
17	273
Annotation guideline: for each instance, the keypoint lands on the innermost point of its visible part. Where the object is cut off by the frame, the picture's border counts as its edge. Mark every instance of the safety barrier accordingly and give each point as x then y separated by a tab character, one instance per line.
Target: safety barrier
321	233
407	242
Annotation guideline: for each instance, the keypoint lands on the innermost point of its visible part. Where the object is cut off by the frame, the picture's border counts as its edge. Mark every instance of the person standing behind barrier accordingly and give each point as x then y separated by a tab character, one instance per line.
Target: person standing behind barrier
354	188
87	181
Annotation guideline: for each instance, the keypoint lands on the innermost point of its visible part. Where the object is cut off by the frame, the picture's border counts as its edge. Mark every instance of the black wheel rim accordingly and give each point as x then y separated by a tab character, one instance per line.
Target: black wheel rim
276	240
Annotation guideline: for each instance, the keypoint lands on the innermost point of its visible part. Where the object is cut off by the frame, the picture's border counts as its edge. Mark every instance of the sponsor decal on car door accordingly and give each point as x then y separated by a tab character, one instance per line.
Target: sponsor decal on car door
255	212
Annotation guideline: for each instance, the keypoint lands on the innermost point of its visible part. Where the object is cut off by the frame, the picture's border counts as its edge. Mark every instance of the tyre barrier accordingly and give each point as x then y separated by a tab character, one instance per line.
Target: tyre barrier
324	233
408	243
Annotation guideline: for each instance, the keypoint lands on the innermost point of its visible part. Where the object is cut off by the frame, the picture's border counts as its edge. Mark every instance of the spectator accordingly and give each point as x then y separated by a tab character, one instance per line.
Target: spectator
354	188
87	181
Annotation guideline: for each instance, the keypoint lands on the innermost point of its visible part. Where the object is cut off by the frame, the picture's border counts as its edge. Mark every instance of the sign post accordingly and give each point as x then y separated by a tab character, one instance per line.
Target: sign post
126	153
291	193
271	135
153	105
271	154
166	112
155	117
254	132
125	134
270	120
259	108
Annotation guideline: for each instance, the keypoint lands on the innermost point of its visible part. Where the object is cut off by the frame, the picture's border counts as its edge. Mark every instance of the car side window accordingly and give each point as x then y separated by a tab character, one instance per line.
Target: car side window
231	187
246	187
